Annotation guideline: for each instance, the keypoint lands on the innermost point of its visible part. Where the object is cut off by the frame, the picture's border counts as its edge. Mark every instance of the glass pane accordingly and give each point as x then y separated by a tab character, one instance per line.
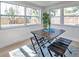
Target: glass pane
71	15
20	20
55	20
8	21
32	12
28	12
71	20
55	12
55	16
5	20
71	11
9	9
33	20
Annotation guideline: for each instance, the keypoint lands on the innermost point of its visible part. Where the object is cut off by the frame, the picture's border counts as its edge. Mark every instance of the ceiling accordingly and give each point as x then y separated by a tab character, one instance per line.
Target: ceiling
44	3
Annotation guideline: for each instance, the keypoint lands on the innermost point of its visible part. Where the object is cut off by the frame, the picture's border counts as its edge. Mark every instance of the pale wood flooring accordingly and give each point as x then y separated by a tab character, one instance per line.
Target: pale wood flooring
4	51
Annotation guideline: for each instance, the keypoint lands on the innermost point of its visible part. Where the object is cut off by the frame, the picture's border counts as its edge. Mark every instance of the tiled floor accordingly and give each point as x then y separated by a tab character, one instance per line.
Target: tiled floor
4	51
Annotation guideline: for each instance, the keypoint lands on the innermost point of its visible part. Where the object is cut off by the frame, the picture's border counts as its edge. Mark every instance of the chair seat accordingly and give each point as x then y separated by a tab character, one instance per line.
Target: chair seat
64	41
60	46
60	50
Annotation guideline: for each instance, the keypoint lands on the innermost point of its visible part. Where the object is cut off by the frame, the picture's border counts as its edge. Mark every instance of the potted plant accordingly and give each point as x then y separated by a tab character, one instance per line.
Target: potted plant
46	20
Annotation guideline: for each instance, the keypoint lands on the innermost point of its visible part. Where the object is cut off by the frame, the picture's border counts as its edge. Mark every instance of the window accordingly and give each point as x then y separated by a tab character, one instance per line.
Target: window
33	20
71	15
14	15
11	15
55	16
7	21
9	9
32	12
33	16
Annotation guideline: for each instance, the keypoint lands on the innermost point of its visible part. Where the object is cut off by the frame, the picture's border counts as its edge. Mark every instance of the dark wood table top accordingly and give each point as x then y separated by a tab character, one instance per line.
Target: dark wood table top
49	34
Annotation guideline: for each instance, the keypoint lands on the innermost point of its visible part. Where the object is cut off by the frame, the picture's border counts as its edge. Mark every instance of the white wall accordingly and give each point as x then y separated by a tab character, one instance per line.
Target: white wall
10	36
71	33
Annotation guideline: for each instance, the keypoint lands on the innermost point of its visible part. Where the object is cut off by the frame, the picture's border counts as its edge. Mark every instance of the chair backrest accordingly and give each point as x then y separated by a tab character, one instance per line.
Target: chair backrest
34	35
39	40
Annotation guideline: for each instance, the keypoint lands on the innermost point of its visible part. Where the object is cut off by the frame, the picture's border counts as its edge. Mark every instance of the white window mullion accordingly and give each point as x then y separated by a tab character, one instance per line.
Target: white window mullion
62	16
25	15
40	17
42	11
0	14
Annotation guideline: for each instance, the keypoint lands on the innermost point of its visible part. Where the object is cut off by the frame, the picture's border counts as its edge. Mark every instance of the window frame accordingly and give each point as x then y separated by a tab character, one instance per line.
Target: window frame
20	16
55	16
70	16
13	8
62	16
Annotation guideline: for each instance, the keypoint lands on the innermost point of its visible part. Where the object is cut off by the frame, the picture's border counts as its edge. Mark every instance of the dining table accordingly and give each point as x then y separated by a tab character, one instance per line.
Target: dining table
47	34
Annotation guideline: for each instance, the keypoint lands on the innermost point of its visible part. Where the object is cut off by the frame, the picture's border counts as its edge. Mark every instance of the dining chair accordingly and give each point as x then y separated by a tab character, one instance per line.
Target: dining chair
36	40
59	47
64	41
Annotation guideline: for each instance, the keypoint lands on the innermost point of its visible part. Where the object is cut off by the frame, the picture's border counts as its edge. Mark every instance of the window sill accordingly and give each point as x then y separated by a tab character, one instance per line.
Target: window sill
74	26
13	26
